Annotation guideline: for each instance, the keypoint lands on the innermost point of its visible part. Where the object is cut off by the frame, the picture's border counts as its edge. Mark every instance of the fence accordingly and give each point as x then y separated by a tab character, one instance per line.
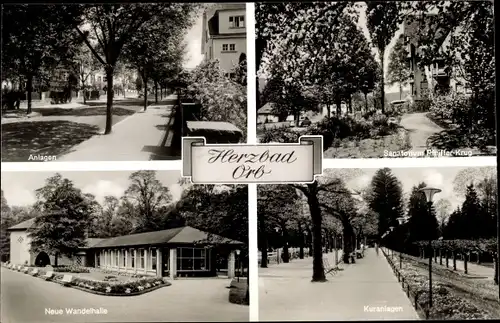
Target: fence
411	293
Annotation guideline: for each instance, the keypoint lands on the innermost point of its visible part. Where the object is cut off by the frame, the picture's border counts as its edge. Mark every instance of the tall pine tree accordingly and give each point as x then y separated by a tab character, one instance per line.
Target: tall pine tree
471	212
386	198
422	225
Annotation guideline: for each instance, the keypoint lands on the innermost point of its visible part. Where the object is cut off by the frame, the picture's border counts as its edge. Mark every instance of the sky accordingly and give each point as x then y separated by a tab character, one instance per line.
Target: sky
193	41
438	177
19	188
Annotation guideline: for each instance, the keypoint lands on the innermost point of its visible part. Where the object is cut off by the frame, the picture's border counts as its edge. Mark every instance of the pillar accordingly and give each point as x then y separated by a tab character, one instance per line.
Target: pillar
159	267
172	263
231	264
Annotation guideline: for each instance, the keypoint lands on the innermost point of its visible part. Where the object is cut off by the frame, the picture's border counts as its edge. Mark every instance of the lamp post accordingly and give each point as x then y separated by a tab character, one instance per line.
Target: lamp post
304	233
402	220
277	229
429	194
239	264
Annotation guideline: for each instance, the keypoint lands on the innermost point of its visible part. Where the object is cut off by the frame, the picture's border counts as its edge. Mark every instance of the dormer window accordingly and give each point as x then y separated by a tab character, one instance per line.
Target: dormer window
237	21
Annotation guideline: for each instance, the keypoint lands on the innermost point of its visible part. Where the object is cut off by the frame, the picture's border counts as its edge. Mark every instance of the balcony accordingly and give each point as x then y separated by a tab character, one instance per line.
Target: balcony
439	73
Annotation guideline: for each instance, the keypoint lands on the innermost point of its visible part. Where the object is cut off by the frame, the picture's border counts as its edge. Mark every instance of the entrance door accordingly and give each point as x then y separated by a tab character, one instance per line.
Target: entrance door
165	257
221	260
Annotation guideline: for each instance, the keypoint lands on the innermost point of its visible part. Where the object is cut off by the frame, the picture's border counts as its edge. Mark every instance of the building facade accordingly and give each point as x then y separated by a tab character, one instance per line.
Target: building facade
436	77
182	251
224	34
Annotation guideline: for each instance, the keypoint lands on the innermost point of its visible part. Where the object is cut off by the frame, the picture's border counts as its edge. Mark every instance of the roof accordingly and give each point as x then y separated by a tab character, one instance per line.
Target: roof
25	225
211	125
180	235
268	108
91	242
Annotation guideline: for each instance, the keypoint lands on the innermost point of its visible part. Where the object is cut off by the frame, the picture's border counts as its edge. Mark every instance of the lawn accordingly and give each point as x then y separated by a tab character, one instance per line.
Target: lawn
369	148
237	292
53	131
456	296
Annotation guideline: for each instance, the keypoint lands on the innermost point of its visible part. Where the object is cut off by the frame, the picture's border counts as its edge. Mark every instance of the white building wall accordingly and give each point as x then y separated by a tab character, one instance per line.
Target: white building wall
229	59
20	248
225	24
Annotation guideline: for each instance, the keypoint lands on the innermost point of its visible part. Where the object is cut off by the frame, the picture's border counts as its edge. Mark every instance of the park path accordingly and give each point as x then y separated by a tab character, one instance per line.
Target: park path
146	135
367	290
420	128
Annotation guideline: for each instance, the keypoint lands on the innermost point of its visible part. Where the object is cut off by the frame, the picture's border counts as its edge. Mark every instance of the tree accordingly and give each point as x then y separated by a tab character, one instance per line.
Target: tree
382	20
64	216
422	225
37	38
83	64
398	70
147	195
385	197
157	43
221	98
472	215
443	209
277	207
114	26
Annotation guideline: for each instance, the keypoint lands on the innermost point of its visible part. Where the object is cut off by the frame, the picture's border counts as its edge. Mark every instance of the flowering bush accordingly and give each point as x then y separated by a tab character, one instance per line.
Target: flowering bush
116	287
71	269
222	99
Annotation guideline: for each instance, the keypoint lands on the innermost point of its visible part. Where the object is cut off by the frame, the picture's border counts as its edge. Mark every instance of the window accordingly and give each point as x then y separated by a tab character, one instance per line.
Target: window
225	47
237	21
132	264
117	257
192	259
142	255
232	47
228	47
153	259
124	258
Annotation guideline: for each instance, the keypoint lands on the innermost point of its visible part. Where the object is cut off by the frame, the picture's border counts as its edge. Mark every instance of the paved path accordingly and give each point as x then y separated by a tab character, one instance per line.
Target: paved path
25	298
367	290
420	128
146	135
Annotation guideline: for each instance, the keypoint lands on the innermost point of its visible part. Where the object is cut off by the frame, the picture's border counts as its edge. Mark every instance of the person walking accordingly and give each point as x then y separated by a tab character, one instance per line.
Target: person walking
376	248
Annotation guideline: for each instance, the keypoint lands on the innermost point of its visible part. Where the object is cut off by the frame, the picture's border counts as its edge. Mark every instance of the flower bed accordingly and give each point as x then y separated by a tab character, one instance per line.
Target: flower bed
446	304
70	269
113	288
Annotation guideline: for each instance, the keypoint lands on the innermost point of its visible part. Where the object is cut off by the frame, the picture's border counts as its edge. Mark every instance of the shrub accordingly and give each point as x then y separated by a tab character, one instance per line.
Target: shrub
280	135
119	287
71	269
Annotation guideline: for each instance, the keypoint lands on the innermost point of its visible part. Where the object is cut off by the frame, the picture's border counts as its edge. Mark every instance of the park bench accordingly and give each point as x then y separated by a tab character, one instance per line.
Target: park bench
34	272
48	275
67	279
328	268
18	268
25	270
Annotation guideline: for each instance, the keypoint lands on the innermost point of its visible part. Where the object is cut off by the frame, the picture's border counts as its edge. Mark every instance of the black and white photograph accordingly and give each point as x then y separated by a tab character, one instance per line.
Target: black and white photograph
120	82
363	244
120	246
378	79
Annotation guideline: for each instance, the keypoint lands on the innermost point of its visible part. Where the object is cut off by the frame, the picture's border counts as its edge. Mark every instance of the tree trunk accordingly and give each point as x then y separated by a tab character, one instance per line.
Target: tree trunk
350	102
156	92
286	254
144	79
297	119
447	259
302	243
348	246
263	237
329	110
109	100
56	258
440	257
366	102
465	265
454	255
338	102
400	91
29	89
382	90
496	263
318	269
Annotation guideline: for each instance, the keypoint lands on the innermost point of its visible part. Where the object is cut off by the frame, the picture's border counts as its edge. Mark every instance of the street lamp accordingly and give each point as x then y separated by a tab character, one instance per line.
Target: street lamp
239	263
277	229
429	193
401	220
304	233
